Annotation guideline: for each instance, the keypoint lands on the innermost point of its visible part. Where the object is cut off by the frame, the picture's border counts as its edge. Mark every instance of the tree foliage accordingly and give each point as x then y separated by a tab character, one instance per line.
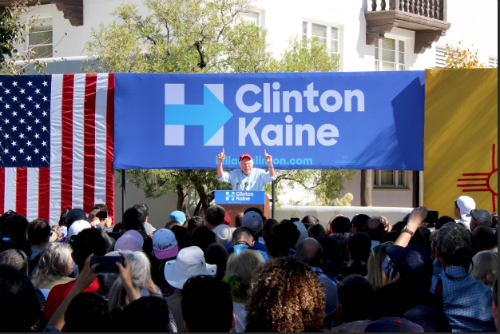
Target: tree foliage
204	36
461	58
14	28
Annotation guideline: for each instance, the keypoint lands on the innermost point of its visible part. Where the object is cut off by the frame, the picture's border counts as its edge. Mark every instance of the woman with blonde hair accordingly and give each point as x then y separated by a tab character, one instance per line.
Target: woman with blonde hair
240	272
376	275
286	296
485	267
141	279
54	266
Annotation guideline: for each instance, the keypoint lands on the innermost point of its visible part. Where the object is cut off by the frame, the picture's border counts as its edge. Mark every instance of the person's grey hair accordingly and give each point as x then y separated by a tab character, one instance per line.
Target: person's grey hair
485	267
54	260
358	326
141	272
240	270
14	258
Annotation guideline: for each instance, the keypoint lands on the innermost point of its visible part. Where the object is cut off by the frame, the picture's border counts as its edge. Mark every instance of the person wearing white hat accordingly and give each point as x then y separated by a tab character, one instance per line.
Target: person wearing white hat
463	206
190	262
77	227
223	234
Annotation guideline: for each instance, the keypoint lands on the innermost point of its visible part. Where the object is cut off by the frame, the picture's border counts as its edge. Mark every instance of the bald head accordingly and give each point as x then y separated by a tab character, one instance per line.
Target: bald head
309	251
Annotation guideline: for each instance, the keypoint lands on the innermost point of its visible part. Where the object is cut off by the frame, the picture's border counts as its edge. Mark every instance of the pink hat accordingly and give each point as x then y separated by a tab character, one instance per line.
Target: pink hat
164	244
130	240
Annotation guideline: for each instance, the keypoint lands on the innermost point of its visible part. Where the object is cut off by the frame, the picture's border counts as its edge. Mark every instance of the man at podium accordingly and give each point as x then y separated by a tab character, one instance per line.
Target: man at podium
247	177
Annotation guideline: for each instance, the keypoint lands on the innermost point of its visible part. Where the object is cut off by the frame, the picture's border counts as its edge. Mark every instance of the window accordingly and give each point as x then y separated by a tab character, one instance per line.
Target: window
440	58
389	179
326	34
493	62
40	38
390	55
251	17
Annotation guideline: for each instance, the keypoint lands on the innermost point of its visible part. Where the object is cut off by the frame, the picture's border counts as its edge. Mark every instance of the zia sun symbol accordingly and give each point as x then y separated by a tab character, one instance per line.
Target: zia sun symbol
487	181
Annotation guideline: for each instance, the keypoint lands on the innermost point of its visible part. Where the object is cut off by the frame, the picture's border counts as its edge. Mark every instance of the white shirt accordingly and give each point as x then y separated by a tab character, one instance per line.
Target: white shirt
240	314
254	181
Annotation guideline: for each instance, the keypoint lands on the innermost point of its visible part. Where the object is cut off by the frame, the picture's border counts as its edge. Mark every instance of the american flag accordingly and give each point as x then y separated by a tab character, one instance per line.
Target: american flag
56	143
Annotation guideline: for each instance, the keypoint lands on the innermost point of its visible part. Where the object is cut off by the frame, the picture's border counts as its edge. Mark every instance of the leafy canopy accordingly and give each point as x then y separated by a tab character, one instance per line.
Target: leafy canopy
14	29
205	36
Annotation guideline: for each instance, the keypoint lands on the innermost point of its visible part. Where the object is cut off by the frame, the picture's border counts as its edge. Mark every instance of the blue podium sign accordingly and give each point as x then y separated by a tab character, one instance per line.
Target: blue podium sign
240	197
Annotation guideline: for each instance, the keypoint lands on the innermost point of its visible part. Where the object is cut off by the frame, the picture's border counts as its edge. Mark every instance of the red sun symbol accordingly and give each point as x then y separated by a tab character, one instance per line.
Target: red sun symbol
487	181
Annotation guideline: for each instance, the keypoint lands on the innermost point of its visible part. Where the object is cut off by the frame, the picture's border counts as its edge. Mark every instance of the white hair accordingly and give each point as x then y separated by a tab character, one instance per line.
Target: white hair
54	259
141	272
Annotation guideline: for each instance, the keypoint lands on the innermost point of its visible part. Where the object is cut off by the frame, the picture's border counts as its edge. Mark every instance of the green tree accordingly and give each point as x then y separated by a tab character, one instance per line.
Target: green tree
201	36
13	32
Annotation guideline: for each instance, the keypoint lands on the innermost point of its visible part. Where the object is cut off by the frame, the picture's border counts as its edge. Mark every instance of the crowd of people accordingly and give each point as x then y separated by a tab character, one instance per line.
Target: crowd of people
249	273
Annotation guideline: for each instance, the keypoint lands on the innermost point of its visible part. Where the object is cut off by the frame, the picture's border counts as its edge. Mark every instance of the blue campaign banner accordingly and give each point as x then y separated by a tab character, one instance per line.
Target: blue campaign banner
239	197
358	120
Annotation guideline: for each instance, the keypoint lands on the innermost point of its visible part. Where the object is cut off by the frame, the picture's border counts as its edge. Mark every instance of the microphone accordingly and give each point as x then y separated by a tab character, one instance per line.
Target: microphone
237	185
246	185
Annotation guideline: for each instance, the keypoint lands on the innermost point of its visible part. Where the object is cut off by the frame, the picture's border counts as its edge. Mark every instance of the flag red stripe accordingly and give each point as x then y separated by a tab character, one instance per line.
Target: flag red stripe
472	185
473	190
110	135
2	190
44	193
22	191
89	142
67	142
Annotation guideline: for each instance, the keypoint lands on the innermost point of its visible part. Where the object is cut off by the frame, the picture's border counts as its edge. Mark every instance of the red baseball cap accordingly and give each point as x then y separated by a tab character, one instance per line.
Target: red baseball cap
245	155
227	219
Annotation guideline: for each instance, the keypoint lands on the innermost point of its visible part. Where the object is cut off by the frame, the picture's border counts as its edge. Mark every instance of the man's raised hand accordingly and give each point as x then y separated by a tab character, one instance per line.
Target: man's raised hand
221	156
268	158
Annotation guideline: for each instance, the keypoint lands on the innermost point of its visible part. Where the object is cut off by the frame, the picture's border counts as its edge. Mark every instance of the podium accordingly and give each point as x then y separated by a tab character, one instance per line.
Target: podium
236	201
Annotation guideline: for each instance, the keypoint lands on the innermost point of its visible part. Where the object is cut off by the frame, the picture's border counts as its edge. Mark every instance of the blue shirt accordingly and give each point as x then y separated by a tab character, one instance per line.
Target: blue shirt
240	248
254	181
466	302
34	253
257	245
320	273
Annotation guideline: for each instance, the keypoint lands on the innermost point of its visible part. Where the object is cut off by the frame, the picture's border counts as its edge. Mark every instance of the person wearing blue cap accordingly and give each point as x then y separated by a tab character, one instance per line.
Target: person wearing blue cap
178	216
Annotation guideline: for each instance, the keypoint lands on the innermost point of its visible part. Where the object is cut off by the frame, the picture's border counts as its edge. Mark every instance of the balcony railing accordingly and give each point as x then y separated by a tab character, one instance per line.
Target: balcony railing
426	17
433	9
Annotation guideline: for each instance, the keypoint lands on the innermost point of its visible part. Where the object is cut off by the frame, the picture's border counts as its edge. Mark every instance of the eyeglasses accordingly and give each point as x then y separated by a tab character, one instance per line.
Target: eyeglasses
23	254
384	243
